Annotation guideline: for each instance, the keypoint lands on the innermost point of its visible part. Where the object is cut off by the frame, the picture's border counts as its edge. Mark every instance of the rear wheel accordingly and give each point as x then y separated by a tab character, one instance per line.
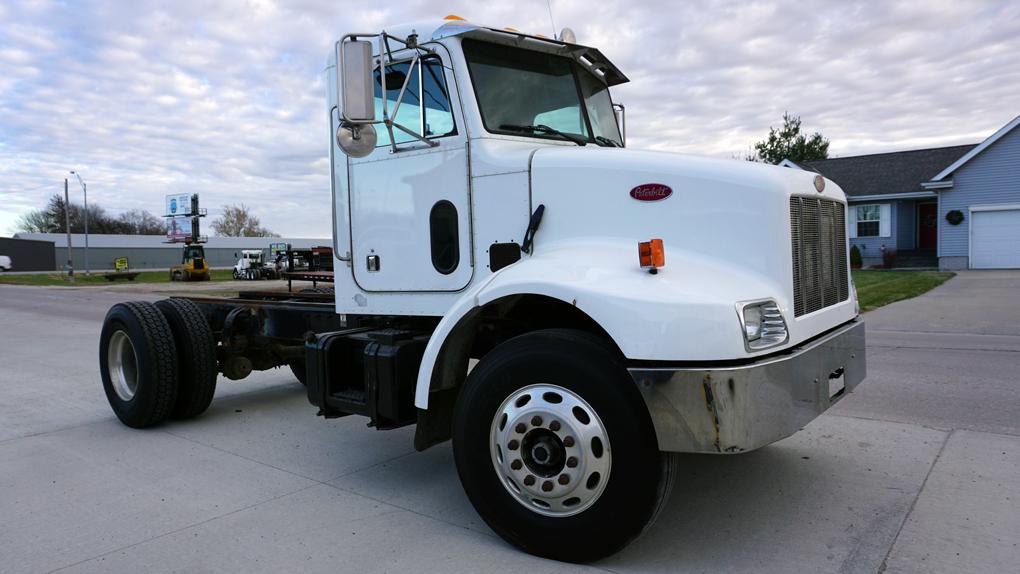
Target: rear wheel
555	447
196	356
138	363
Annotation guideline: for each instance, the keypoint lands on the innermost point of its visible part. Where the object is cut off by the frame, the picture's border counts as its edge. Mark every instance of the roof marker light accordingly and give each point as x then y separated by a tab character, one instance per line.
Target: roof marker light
454	17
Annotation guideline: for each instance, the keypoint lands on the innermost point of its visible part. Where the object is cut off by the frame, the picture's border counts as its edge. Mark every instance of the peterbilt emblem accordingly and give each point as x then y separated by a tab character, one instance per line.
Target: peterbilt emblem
819	183
651	192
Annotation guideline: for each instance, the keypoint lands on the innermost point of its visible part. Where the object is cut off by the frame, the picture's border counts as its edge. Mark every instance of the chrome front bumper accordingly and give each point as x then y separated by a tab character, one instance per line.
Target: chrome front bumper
737	409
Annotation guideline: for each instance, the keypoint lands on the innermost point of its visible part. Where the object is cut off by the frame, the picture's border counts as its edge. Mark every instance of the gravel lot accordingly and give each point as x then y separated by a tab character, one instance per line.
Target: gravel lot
914	472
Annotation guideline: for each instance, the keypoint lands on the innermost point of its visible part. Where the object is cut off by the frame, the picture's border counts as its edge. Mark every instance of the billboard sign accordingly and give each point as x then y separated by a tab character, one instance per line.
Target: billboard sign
178	204
178	228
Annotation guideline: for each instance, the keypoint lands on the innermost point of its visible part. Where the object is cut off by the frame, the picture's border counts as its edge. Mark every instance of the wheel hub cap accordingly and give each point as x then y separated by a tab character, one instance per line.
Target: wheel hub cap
551	450
123	366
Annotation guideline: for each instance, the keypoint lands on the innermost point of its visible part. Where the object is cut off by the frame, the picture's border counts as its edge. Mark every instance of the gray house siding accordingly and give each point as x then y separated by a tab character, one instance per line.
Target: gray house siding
989	178
871	247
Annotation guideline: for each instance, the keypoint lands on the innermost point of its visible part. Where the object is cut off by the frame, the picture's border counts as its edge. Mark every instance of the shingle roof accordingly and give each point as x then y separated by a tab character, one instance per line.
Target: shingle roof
887	173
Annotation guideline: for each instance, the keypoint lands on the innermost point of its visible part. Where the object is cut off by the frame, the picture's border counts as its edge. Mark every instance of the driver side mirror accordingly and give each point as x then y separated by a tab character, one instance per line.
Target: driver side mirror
356	88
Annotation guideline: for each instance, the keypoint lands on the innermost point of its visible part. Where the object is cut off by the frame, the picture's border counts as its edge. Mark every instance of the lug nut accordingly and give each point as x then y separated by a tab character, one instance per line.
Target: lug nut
536	421
547	486
529	480
516	465
572	462
568	441
512	445
520	428
554	426
564	479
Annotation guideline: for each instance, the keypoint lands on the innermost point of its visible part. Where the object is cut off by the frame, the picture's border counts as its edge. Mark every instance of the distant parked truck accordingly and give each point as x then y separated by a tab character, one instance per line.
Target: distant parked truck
501	280
5	263
251	265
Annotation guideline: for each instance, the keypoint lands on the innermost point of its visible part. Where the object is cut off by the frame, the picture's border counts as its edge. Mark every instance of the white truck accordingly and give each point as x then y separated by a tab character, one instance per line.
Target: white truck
572	313
251	266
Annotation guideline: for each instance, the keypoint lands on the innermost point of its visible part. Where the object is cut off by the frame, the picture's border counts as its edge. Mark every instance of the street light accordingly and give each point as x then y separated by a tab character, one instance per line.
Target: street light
86	193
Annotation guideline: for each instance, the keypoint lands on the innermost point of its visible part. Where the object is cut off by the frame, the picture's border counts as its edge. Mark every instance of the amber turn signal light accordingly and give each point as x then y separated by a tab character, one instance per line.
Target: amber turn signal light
651	254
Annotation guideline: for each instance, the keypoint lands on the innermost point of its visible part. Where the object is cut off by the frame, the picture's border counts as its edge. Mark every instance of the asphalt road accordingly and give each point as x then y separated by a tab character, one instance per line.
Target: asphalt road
917	471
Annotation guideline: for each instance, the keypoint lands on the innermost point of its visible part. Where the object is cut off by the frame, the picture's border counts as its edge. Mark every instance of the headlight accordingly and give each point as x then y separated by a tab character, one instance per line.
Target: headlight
763	324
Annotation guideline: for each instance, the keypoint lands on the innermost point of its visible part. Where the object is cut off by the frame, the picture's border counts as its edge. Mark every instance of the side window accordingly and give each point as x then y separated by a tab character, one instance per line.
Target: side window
444	237
426	82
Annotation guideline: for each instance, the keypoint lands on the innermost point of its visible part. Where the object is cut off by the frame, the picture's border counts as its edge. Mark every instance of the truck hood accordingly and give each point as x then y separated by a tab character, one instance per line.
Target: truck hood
725	224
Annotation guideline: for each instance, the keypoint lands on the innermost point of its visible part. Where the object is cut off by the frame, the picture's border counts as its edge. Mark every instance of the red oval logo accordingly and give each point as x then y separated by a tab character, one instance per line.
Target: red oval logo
651	192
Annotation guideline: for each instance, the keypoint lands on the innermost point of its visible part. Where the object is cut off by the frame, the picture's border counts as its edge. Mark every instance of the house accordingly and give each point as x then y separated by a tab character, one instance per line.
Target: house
955	207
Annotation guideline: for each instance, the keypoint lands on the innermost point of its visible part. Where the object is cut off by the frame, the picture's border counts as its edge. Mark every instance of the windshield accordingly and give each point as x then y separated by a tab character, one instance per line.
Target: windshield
519	88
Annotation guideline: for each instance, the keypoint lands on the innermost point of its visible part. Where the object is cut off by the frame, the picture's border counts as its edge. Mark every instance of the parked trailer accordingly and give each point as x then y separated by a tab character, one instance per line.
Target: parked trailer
502	281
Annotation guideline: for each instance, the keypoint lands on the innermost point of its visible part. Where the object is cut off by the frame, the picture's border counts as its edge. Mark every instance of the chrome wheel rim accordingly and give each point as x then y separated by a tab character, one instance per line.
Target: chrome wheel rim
550	450
123	366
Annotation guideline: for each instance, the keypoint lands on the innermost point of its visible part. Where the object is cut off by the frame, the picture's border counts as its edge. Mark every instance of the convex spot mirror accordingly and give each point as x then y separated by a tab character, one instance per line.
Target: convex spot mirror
356	87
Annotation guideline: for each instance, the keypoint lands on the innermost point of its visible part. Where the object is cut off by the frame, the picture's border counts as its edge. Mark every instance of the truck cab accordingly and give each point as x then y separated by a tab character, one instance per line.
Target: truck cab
508	273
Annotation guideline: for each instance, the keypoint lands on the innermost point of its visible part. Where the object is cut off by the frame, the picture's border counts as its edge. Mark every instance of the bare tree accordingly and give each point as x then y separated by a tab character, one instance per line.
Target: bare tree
239	221
51	220
141	222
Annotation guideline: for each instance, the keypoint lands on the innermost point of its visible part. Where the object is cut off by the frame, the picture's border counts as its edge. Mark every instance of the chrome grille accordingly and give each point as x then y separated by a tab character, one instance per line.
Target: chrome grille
818	237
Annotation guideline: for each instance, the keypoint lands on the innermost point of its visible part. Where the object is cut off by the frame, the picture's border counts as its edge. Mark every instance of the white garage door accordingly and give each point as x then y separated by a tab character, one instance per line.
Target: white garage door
995	239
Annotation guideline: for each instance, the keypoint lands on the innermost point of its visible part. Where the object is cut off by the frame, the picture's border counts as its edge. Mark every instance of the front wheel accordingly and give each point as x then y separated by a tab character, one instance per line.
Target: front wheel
555	447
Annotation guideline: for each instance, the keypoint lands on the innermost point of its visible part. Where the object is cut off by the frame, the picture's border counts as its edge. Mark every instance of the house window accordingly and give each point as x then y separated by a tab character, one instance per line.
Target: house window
869	219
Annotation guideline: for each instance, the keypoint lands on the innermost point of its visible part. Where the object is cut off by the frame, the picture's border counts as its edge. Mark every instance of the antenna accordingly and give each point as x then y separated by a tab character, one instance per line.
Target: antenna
551	20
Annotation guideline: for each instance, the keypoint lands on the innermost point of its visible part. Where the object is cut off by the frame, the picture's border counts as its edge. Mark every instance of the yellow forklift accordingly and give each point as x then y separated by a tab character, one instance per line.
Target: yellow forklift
183	216
193	266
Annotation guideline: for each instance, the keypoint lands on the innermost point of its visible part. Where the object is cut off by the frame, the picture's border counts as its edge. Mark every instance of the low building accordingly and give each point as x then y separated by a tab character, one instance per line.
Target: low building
28	255
955	207
152	251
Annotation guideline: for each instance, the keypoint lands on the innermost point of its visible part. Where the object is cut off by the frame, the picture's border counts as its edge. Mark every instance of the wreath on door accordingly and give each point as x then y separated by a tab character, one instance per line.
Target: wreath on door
955	217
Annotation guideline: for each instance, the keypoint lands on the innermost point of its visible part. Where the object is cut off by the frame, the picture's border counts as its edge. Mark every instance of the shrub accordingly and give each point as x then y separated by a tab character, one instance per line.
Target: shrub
855	257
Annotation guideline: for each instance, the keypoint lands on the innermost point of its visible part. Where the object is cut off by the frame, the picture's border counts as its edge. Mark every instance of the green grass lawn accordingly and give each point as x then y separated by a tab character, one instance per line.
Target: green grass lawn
878	288
162	276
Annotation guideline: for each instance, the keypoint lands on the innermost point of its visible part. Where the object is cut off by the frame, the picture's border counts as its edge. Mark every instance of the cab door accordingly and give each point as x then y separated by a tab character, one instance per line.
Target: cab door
410	209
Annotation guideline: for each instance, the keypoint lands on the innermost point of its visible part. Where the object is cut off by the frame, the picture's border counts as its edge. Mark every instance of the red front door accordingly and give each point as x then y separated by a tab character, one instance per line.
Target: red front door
927	225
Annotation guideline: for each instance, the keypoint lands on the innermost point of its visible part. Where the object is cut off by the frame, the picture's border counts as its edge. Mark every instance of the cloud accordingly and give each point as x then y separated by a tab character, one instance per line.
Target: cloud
227	99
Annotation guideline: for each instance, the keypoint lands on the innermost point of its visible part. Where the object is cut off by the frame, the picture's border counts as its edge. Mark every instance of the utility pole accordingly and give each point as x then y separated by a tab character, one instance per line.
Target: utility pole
84	190
67	226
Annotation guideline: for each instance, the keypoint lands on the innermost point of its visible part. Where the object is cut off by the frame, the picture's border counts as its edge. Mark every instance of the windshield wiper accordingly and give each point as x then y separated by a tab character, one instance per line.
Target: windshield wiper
579	140
606	142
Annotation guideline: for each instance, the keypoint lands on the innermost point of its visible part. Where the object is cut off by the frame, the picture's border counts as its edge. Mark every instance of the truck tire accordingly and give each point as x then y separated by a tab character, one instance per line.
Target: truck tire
138	363
196	357
555	447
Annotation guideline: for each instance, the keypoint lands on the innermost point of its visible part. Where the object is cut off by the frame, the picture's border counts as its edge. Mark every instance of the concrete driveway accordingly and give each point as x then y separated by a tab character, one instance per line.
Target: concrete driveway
914	472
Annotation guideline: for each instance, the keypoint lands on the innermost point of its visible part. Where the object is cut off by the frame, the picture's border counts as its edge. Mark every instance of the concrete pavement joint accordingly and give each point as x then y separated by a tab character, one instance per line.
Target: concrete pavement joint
913	503
183	528
931	348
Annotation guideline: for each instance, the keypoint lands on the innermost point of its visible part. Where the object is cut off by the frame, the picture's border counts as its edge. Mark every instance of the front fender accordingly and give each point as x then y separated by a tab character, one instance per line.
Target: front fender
684	313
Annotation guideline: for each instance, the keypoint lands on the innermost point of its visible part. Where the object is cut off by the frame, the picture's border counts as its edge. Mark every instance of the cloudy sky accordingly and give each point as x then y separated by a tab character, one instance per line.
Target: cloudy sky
226	98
